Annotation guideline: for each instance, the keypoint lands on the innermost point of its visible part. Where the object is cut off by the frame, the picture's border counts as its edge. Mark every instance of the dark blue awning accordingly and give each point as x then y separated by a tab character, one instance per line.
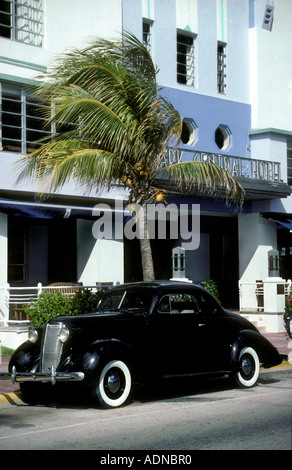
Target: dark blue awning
48	210
286	223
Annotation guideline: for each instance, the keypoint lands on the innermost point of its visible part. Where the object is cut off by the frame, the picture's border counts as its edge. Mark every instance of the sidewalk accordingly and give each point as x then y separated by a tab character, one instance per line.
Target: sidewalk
280	340
6	386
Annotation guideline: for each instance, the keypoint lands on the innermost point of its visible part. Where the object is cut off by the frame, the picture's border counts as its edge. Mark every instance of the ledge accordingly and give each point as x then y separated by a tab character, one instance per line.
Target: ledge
270	130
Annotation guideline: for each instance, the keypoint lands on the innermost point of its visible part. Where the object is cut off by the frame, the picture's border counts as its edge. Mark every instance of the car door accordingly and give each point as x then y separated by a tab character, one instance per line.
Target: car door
178	334
218	331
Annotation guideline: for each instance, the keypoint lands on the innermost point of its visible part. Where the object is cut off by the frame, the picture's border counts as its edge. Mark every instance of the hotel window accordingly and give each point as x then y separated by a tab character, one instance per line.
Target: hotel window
185	59
147	35
223	137
189	132
221	68
23	21
289	162
22	120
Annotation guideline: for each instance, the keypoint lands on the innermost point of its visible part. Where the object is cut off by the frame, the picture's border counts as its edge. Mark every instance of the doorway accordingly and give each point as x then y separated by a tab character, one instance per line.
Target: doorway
62	251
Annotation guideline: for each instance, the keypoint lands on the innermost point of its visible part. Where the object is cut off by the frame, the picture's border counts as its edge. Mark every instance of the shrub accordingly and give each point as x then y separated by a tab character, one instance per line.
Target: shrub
53	304
85	301
5	352
287	317
288	306
211	287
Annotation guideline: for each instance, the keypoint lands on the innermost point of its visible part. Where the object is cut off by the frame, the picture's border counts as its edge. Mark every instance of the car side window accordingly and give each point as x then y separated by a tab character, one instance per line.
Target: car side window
179	303
110	302
207	303
137	300
126	301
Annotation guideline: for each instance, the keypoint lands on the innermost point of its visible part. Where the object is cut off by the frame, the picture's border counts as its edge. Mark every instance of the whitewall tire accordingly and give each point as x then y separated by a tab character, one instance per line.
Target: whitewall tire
114	384
249	368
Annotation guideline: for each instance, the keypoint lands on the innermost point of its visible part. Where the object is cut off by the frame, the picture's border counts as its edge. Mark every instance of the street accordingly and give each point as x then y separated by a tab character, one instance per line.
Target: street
192	416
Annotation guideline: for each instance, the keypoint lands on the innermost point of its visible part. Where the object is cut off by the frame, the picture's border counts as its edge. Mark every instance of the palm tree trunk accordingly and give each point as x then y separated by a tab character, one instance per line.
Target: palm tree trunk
145	246
147	260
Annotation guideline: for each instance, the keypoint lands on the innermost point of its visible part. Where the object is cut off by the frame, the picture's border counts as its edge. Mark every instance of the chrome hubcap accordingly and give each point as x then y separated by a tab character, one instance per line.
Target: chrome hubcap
113	382
246	366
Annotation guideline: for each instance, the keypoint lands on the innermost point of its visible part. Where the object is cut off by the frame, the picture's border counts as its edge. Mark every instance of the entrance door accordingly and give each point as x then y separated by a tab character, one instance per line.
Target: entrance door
62	262
224	267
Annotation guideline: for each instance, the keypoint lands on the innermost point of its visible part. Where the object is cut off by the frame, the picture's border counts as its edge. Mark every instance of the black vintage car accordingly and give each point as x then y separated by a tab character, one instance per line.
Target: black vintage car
141	332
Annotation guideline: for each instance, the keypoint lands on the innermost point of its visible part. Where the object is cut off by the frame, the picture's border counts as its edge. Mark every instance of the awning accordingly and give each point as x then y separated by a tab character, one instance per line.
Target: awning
285	221
49	210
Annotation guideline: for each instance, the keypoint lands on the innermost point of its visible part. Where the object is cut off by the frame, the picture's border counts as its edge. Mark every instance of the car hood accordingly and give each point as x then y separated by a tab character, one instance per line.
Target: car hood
95	317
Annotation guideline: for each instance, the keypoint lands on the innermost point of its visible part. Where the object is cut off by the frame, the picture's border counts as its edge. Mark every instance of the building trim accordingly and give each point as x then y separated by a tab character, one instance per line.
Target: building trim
4	77
23	64
270	130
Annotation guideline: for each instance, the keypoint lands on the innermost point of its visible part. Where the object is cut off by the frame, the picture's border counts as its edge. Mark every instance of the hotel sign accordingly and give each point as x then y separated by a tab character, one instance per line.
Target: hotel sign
262	170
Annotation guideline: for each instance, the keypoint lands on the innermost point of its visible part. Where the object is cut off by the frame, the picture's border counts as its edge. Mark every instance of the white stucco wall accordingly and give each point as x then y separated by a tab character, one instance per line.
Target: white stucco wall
256	236
98	260
271	68
4	309
3	248
68	24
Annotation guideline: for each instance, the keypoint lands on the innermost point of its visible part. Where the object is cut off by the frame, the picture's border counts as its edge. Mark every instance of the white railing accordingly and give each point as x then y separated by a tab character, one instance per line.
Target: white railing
251	295
13	300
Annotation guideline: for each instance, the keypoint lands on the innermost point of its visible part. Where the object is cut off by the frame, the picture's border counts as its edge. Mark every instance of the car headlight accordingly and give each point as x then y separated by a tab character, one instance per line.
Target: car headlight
33	335
64	334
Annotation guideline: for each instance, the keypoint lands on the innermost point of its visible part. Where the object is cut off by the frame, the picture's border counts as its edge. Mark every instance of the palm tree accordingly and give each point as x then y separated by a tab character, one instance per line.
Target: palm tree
114	127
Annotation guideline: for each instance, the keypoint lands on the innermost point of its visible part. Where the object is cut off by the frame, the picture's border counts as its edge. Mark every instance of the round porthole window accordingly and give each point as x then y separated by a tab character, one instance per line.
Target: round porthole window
189	132
222	137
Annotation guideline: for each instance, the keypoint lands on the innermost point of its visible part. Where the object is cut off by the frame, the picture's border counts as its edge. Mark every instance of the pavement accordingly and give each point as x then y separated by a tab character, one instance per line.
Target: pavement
10	393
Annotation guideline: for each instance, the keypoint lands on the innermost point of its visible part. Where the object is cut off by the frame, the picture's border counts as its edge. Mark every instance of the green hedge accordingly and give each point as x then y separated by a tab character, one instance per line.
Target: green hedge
211	287
52	304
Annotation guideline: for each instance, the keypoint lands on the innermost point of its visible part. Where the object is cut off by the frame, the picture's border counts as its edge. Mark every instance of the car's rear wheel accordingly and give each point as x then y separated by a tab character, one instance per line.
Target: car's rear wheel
114	384
249	368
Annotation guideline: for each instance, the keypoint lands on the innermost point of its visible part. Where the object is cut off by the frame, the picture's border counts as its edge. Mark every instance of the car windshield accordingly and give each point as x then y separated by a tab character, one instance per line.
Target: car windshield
125	300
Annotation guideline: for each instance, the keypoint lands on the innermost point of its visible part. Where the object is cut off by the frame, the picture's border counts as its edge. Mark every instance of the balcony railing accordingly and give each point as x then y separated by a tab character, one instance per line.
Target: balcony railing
262	170
251	295
13	300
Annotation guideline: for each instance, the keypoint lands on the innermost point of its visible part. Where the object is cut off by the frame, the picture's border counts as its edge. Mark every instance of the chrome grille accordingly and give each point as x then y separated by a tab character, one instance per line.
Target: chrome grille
52	347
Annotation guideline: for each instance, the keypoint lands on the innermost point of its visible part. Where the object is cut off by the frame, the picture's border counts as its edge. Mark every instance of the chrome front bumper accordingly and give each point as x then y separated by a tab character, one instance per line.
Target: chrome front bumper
52	377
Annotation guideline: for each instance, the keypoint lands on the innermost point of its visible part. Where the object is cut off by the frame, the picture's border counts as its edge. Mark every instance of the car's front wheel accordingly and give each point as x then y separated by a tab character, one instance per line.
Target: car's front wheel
114	384
249	368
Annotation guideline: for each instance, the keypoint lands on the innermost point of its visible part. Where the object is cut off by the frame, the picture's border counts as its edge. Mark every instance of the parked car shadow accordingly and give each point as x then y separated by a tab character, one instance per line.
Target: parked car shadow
183	389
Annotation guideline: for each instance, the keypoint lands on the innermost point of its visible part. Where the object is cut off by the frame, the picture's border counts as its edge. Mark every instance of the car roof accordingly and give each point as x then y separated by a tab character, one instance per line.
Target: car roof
157	284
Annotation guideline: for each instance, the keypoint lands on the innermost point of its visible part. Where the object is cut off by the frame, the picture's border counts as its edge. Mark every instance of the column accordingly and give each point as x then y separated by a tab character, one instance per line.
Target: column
256	236
4	293
98	260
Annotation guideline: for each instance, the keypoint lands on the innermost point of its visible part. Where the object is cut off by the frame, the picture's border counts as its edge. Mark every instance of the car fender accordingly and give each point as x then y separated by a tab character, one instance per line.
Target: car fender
99	352
26	357
268	354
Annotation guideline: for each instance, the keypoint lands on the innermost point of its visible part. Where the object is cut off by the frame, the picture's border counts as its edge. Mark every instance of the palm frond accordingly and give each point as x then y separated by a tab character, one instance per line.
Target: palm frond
58	163
205	178
112	120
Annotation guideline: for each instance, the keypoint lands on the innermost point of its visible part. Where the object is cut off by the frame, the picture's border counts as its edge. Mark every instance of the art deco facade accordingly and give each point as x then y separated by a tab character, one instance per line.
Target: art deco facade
226	66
